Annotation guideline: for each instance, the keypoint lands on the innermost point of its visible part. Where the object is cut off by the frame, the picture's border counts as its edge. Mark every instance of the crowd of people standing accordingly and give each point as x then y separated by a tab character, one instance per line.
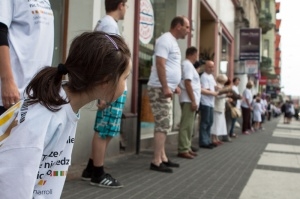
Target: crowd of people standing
98	65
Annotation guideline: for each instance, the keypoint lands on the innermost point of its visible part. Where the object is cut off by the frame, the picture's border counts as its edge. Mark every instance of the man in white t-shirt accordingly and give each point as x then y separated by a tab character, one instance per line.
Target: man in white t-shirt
208	92
236	82
108	119
163	83
26	45
189	102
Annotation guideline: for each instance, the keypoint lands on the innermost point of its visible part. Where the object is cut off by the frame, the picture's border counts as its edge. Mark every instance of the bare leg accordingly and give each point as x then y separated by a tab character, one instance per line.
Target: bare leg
159	147
99	147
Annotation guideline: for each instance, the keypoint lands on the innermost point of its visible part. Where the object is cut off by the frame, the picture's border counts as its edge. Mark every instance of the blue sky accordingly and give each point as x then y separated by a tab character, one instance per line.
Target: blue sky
290	46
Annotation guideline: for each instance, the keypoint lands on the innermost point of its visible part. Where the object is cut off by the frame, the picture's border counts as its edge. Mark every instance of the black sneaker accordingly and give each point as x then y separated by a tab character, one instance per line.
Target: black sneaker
207	146
171	164
162	168
86	175
194	149
106	181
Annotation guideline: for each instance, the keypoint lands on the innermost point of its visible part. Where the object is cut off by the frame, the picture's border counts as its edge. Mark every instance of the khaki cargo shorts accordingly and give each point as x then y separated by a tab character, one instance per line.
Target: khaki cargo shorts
162	109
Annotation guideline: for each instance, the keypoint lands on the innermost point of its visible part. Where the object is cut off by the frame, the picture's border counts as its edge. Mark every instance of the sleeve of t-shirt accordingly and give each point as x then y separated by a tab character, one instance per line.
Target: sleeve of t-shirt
187	73
204	82
162	49
6	12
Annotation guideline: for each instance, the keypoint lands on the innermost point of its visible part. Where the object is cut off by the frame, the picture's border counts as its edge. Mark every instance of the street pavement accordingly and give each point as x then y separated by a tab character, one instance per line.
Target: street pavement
263	165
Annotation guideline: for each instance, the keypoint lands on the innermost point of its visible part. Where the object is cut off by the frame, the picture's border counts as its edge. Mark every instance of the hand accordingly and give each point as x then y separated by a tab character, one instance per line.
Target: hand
215	93
177	90
217	88
101	104
167	92
194	106
229	99
10	92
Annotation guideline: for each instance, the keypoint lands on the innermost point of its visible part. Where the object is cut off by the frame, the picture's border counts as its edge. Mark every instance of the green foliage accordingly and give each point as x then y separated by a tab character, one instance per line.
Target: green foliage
266	64
265	21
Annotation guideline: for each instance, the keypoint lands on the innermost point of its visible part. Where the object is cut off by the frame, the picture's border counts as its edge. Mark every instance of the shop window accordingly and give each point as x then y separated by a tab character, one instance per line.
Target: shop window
267	5
266	48
225	48
155	19
163	13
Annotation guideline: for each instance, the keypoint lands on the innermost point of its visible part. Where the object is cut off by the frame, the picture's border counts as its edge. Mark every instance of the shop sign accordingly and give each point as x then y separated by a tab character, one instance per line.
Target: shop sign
263	80
251	66
146	21
250	43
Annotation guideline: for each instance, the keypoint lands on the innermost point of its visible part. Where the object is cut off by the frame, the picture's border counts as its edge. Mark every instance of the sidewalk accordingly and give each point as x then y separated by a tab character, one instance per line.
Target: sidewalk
261	165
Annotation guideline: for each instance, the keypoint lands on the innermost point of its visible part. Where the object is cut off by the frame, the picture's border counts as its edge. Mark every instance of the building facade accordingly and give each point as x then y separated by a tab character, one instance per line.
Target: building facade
213	32
246	17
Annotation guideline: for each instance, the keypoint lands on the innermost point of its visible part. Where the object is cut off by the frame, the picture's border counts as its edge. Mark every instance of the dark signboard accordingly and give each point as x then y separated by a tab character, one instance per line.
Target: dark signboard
250	43
272	91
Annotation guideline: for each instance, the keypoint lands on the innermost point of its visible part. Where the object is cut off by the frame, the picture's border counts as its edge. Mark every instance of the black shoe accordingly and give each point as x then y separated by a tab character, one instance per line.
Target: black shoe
194	149
213	145
86	175
171	164
206	146
106	181
162	168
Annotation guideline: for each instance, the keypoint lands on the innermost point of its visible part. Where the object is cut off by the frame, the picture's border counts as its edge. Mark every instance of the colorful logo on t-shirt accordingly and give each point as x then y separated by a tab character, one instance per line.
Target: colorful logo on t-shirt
8	121
58	173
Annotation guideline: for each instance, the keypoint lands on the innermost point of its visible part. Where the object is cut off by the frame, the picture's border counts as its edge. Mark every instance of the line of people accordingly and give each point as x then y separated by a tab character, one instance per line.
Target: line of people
39	110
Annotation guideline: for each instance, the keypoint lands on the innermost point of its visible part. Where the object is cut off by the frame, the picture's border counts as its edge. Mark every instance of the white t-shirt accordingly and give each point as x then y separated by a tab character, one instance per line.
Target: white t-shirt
31	38
208	82
190	73
247	94
167	47
108	24
238	102
36	155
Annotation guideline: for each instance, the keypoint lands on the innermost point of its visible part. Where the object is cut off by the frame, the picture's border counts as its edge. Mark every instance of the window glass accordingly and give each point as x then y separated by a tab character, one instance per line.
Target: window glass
155	20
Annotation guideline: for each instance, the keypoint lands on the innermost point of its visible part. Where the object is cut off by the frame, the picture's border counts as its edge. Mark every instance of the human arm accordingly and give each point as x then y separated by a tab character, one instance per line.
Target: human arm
190	93
161	72
9	91
205	91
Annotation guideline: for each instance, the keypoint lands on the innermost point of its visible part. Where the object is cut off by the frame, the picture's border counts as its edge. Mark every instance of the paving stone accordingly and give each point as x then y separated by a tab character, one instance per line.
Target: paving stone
221	173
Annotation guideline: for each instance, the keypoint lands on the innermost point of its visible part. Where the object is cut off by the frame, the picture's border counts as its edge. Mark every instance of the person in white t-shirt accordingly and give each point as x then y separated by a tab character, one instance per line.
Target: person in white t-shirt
163	83
247	108
189	101
26	45
236	82
208	85
36	153
108	119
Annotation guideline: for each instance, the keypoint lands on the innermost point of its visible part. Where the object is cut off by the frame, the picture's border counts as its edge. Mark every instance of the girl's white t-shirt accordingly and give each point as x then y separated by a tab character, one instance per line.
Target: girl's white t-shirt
31	38
36	155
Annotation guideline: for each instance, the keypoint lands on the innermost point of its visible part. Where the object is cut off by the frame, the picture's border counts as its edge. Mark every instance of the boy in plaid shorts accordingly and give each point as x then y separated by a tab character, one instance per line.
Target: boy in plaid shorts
108	118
